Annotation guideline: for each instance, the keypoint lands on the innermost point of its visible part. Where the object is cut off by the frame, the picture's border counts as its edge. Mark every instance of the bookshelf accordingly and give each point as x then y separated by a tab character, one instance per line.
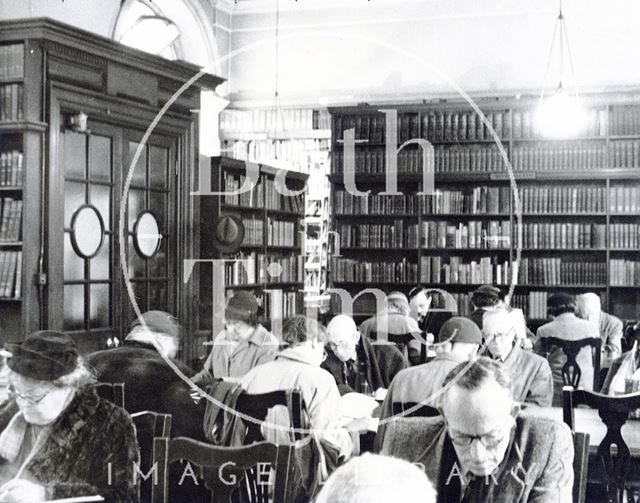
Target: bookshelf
273	241
62	180
579	203
297	139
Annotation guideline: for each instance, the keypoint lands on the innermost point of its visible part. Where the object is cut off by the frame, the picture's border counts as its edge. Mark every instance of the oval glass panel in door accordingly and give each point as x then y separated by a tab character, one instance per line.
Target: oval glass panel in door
146	235
87	231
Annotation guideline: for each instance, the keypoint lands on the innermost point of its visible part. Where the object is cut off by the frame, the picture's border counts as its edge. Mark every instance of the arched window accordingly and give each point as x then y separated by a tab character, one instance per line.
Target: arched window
174	29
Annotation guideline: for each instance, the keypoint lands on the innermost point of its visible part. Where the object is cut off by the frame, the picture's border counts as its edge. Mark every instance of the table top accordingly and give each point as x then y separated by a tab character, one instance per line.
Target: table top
588	421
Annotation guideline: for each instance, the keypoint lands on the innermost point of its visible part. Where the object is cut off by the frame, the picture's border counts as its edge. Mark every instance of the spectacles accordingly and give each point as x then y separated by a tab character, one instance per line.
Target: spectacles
27	398
488	440
499	335
342	344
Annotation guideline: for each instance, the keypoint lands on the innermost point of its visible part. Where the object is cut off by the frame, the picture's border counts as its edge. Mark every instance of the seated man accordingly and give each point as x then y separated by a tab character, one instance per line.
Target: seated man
483	449
485	298
351	359
298	367
149	382
589	308
566	325
530	373
242	345
394	320
459	340
430	319
377	479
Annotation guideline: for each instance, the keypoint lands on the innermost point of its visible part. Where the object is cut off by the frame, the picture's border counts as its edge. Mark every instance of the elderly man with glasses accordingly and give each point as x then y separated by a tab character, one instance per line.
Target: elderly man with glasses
530	373
482	448
351	359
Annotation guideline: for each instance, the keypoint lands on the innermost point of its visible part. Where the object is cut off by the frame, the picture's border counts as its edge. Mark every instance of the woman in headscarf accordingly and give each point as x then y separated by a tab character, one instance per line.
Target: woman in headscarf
57	438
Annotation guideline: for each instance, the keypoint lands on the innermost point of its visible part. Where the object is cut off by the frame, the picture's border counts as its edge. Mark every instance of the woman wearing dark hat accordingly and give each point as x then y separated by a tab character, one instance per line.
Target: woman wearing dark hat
566	325
243	344
58	439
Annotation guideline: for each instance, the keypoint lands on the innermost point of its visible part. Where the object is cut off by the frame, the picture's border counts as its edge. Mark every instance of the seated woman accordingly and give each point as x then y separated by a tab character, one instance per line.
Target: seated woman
243	344
298	367
58	439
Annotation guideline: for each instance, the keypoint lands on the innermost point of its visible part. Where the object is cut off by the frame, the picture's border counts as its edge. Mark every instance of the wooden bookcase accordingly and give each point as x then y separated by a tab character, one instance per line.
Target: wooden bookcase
273	241
579	199
51	73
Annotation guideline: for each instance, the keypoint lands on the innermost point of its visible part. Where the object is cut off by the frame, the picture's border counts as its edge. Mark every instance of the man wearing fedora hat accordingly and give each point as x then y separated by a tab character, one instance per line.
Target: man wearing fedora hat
57	438
242	345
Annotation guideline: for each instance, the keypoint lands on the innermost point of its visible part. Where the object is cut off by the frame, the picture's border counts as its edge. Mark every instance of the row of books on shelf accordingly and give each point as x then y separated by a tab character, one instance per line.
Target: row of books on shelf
11	61
11	169
290	270
256	268
533	304
10	219
452	126
395	235
275	200
624	199
297	153
279	305
457	271
477	201
10	274
344	269
559	156
557	271
232	183
267	119
253	231
625	120
624	236
281	233
563	199
11	108
455	159
473	234
625	272
563	235
624	154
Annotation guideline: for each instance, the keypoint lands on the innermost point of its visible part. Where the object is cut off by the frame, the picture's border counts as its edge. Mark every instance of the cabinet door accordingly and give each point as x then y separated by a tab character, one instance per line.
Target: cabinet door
88	296
88	181
150	224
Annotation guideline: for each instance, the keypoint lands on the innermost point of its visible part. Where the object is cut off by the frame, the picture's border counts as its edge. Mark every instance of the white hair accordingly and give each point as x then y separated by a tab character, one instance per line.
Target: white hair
372	478
589	304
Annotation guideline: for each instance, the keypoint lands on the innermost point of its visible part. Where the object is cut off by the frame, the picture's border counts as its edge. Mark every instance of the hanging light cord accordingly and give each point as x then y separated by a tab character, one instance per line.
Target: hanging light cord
560	26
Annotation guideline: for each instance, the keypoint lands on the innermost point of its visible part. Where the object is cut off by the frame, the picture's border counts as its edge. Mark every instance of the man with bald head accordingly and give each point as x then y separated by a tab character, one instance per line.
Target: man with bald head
530	373
482	448
589	308
351	359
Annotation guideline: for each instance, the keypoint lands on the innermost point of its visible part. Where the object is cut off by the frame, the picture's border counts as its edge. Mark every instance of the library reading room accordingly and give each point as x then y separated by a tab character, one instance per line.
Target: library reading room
319	251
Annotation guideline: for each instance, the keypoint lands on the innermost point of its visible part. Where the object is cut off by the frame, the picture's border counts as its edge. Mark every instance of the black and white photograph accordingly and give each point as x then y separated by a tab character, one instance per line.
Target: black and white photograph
319	251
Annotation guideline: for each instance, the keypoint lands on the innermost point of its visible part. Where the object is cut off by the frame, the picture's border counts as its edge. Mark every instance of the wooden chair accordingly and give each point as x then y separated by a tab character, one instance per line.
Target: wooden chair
256	406
580	465
571	372
399	408
114	392
223	468
614	412
148	426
